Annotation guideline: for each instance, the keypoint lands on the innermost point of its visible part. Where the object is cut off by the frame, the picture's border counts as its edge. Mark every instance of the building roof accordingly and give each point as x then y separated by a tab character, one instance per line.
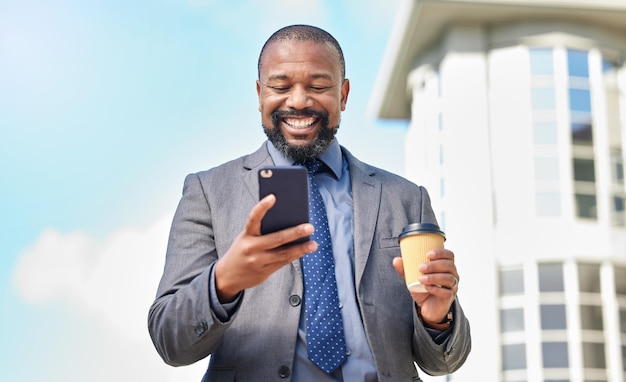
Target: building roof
420	23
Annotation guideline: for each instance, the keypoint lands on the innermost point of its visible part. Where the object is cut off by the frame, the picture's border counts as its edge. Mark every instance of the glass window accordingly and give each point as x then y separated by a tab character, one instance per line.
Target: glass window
442	187
543	98
547	168
593	355
541	62
591	317
551	277
577	63
622	320
589	277
545	133
512	320
619	218
584	170
580	100
617	167
553	317
555	354
548	203
511	282
513	356
581	133
586	206
620	280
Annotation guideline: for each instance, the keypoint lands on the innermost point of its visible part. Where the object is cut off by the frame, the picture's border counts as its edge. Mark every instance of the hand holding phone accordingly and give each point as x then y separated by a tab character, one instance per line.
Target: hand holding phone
290	185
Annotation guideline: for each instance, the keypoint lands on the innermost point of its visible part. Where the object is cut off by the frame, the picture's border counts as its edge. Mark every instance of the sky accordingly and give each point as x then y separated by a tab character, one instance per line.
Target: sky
105	106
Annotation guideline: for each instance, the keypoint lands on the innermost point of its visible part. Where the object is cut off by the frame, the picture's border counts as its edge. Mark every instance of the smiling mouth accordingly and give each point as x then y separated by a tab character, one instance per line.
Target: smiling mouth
300	123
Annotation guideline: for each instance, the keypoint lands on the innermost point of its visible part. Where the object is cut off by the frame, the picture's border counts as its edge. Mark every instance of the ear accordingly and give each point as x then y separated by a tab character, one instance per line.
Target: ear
258	92
345	90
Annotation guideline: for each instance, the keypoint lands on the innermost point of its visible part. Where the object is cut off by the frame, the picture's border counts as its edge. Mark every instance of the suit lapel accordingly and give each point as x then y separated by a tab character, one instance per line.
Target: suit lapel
251	164
366	194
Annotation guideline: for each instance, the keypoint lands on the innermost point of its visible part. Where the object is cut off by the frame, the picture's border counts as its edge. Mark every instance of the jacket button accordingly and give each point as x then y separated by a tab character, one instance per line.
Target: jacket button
295	300
284	372
200	328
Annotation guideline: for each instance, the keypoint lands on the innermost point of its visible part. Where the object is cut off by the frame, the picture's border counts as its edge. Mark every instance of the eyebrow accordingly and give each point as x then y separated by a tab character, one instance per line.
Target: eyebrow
286	77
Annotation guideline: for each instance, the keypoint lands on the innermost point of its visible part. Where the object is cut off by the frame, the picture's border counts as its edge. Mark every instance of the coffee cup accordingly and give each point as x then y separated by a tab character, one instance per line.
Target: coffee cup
416	240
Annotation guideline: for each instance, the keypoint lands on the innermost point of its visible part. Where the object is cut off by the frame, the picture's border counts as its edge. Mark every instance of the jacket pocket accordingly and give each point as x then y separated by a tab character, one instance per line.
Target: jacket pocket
388	242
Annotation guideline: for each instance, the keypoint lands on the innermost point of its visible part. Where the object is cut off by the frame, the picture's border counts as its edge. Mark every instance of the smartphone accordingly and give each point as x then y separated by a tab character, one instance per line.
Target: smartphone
290	185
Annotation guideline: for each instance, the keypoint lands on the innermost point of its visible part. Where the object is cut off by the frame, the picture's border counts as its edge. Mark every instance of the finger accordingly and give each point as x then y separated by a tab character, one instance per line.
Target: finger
285	236
440	254
286	254
399	266
441	280
253	224
439	266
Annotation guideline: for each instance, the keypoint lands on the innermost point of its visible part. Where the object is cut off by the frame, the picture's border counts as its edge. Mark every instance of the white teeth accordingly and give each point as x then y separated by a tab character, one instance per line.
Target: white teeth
299	123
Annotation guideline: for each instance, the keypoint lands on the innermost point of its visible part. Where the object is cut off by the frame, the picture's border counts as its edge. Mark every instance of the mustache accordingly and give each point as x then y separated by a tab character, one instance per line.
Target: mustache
279	114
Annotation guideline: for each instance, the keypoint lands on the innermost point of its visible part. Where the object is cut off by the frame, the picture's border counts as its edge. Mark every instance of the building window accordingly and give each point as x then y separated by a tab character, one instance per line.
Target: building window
581	126
589	278
614	120
618	218
586	206
593	355
512	320
511	282
548	203
553	317
591	317
555	355
620	280
551	277
547	168
577	64
545	133
514	356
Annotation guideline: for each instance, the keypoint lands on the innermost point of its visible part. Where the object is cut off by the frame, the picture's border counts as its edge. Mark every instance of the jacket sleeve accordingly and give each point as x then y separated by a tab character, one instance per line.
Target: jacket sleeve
182	325
449	356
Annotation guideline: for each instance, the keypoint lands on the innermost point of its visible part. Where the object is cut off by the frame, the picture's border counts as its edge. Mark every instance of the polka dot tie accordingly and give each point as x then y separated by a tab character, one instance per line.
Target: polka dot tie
326	344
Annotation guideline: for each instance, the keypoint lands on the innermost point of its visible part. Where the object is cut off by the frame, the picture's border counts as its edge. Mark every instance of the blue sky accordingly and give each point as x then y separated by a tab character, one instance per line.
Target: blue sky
105	106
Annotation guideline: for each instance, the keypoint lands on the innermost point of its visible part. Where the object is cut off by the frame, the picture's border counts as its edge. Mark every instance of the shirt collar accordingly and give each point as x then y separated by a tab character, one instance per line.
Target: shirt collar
332	157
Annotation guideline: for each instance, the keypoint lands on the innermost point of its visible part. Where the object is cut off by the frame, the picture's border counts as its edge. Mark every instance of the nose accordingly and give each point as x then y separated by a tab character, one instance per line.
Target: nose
299	98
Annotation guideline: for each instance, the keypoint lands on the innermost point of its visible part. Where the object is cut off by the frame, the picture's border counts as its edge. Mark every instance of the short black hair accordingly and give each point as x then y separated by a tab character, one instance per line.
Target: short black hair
301	32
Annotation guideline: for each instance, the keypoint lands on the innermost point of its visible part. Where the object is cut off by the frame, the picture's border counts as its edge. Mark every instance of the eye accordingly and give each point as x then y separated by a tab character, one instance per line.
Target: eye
320	88
279	89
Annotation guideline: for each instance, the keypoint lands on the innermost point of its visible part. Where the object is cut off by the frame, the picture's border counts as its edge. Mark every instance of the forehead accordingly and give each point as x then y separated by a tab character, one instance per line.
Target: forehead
308	56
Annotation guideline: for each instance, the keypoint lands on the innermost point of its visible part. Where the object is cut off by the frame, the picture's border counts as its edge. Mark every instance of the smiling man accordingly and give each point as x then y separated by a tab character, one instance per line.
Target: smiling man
259	308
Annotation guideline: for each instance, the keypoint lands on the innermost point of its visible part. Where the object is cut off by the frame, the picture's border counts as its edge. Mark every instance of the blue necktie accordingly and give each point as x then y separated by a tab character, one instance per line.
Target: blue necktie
326	345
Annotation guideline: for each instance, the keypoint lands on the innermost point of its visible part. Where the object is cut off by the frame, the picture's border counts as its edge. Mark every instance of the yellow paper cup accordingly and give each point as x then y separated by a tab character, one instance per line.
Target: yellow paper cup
416	240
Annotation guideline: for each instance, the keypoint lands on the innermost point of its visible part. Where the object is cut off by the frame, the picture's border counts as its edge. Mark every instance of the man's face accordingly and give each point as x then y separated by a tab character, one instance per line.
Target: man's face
301	96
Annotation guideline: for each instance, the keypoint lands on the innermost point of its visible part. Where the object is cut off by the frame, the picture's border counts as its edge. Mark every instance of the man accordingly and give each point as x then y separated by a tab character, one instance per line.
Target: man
239	296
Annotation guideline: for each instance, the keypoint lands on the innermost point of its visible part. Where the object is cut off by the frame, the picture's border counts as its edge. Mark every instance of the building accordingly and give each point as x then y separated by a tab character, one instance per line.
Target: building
517	114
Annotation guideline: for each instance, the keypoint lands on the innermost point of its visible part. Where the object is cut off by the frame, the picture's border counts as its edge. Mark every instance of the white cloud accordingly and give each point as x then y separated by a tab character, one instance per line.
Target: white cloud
114	280
110	284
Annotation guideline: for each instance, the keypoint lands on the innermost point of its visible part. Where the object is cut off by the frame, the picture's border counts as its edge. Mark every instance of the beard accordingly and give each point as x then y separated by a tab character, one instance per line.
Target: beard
306	152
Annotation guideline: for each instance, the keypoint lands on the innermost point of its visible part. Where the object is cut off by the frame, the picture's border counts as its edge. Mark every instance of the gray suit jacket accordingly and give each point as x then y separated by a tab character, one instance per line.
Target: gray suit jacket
258	343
